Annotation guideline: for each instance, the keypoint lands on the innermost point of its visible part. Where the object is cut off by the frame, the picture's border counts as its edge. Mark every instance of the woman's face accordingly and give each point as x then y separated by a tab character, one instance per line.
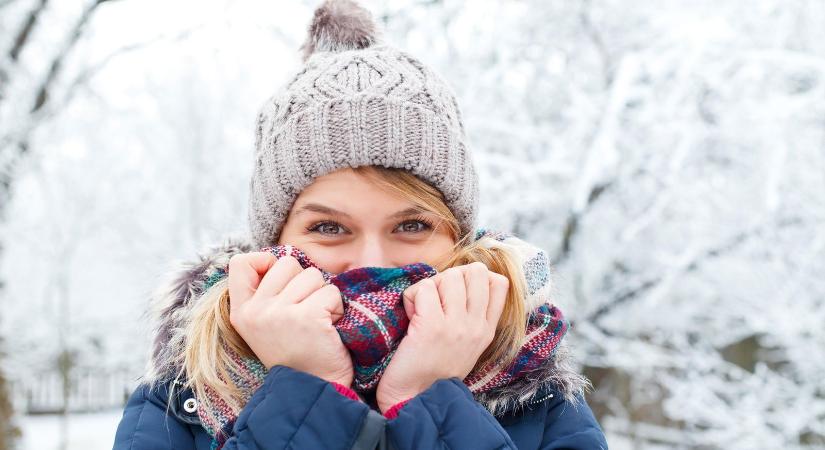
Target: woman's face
343	221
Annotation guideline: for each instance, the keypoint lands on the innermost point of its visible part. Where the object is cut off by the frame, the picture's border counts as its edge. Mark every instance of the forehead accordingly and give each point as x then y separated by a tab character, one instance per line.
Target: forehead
346	191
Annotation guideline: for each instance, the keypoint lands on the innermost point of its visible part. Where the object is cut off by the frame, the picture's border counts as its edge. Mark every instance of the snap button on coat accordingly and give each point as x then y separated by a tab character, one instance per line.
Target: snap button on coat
190	405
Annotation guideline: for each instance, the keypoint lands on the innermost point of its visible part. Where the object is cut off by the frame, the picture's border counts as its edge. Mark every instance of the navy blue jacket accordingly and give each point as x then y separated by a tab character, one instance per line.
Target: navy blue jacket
296	410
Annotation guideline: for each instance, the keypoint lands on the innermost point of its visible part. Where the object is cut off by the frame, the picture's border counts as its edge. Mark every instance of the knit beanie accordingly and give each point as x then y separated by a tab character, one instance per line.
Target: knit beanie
357	101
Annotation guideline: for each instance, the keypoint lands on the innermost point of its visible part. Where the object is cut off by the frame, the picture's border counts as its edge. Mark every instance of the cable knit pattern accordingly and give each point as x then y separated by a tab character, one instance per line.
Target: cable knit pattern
354	107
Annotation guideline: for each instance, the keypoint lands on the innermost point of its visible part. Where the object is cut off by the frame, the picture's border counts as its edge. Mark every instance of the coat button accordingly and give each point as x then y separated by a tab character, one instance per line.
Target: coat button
190	405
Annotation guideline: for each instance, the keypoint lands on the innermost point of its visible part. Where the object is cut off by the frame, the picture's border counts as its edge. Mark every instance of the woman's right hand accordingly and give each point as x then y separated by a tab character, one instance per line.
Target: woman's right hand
286	314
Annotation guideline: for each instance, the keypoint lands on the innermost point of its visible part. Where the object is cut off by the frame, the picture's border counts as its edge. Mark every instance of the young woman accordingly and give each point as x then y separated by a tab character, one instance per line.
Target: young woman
366	311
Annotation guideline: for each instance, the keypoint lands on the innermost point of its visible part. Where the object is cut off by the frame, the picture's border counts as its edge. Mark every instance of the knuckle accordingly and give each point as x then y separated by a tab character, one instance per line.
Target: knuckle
453	273
288	263
313	273
237	259
500	280
478	267
331	289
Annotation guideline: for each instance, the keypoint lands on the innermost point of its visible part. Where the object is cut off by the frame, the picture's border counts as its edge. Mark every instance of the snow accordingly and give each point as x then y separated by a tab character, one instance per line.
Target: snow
668	155
85	431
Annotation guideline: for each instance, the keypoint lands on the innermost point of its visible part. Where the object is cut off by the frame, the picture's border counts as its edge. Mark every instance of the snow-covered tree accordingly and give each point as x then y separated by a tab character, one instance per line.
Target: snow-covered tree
670	155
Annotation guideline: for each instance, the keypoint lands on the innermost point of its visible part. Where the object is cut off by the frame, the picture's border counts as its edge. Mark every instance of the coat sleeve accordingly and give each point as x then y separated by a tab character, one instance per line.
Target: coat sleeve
292	409
571	426
446	416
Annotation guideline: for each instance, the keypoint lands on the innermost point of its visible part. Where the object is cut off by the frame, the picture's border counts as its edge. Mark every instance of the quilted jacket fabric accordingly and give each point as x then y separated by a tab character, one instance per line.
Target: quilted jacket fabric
296	410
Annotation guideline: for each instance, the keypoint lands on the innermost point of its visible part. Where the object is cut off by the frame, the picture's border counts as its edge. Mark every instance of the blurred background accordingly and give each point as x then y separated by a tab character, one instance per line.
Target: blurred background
670	156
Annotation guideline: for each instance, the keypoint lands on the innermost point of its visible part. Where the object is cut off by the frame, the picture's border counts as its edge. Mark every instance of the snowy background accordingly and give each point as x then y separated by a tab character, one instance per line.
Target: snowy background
670	155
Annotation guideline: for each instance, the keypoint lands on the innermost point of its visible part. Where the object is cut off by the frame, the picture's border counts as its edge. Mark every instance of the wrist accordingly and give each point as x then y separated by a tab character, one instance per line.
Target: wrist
387	402
343	381
342	377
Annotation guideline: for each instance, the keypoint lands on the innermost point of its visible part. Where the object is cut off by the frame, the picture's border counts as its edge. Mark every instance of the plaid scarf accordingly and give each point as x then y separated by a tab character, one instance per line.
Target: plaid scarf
374	322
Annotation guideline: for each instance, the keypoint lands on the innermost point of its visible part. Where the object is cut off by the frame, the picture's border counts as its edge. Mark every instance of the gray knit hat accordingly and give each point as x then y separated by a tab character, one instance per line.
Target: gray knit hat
357	102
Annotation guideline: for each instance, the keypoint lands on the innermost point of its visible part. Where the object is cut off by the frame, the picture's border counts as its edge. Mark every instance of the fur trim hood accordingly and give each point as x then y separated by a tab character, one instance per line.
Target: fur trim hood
172	304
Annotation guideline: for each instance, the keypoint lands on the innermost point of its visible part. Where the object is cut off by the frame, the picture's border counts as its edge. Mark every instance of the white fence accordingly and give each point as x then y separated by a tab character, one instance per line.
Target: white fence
89	390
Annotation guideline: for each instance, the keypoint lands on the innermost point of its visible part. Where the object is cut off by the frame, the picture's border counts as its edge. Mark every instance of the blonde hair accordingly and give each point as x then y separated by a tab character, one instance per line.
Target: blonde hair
210	335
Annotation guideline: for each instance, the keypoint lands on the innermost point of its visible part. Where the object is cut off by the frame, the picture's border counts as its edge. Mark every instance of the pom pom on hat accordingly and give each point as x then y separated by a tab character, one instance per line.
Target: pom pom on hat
340	25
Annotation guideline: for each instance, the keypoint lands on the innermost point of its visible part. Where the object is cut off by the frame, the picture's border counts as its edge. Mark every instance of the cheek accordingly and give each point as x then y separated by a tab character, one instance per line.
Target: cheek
329	259
438	249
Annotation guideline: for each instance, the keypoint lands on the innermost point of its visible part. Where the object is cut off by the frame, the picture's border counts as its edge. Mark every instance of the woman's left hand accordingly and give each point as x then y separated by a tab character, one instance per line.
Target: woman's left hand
453	318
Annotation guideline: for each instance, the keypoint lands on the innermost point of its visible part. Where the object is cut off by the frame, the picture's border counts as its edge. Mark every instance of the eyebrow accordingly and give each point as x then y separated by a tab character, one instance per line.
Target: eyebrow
318	208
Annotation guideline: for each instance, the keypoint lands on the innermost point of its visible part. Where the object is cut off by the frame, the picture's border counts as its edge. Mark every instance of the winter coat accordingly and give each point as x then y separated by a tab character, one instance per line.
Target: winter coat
296	410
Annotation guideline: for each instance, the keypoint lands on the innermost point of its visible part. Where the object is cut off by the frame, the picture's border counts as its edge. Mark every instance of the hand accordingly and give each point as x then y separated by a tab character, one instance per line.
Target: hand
453	318
286	314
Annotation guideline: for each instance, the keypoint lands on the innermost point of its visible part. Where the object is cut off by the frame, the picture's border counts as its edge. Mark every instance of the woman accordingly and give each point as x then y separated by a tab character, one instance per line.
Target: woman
373	313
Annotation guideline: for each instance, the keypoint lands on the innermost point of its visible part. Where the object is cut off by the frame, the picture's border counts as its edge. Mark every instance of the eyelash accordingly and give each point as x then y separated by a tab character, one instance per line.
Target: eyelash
314	228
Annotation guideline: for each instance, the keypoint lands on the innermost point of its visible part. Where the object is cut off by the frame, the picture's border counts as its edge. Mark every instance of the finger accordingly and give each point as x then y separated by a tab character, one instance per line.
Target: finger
427	301
327	298
407	298
411	291
284	270
300	287
477	281
452	291
499	287
245	273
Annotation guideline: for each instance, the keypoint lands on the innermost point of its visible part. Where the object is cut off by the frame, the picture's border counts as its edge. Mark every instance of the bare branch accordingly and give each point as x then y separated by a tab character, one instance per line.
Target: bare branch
42	95
83	77
20	42
23	35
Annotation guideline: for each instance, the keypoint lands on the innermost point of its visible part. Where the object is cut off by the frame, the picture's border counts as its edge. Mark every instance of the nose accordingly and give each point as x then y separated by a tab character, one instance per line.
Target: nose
371	251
